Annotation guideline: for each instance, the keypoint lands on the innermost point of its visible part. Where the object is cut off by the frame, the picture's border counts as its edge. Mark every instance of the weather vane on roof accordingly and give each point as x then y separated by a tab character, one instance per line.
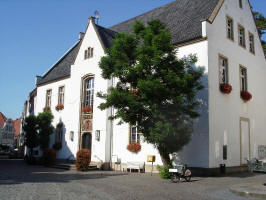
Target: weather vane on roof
97	15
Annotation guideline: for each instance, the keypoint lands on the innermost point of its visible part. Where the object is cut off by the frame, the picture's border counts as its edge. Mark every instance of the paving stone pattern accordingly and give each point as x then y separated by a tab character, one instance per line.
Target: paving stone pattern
19	181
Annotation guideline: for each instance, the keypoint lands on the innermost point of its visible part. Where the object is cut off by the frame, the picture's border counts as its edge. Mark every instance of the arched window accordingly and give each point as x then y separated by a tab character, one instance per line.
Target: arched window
88	92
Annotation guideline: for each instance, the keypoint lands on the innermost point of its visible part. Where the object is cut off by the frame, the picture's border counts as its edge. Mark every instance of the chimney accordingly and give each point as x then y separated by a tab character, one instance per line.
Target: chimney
81	35
92	19
37	79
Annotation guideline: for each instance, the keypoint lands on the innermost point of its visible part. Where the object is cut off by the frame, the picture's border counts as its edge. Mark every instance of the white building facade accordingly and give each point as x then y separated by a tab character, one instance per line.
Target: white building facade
222	34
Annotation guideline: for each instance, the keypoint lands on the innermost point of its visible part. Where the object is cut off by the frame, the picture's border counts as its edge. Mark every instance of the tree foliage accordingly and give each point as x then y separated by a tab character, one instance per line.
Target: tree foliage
260	21
45	128
154	89
30	128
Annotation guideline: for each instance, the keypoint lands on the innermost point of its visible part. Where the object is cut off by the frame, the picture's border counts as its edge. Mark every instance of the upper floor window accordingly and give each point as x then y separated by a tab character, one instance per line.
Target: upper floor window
241	36
230	28
223	67
48	98
240	4
243	79
88	53
89	92
134	134
251	43
61	95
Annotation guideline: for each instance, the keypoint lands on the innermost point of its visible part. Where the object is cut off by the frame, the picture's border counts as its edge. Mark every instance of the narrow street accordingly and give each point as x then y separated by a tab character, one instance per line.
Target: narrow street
19	181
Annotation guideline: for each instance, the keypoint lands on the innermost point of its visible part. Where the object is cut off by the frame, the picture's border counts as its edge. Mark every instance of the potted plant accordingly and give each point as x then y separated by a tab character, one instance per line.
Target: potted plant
245	95
87	109
134	147
46	108
225	88
59	107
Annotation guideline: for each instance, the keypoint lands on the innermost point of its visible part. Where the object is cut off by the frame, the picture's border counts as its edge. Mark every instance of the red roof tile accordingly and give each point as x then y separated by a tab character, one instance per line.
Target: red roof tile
2	120
16	124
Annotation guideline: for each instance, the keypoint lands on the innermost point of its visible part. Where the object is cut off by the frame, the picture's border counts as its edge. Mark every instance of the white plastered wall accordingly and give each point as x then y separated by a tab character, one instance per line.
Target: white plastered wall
225	110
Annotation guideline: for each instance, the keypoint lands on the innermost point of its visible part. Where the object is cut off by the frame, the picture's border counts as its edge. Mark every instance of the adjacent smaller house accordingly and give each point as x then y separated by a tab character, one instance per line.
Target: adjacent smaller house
2	123
17	128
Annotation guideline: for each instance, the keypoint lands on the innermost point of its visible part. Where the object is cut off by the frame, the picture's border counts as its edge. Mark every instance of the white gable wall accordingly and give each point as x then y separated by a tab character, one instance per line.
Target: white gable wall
225	110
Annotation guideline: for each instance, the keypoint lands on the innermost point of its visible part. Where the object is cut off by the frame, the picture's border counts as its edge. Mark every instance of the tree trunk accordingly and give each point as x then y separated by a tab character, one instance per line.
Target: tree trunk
164	156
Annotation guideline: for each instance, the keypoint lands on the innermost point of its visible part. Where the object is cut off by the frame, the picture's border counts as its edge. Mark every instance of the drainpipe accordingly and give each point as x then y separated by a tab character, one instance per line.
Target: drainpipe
111	129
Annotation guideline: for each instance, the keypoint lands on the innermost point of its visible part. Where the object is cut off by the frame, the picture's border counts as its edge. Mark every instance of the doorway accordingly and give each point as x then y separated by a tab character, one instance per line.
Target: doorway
86	141
244	140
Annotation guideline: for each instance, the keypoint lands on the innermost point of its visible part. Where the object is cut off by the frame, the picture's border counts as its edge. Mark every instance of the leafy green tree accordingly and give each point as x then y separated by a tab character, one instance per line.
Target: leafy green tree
155	90
45	128
260	21
30	128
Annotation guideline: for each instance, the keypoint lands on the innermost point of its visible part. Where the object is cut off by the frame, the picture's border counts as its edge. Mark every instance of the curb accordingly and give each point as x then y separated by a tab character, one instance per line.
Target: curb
246	193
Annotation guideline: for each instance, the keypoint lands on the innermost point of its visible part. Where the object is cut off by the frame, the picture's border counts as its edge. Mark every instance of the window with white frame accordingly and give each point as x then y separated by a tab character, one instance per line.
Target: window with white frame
223	68
230	28
243	79
134	134
89	92
48	98
240	4
61	95
241	36
251	43
88	53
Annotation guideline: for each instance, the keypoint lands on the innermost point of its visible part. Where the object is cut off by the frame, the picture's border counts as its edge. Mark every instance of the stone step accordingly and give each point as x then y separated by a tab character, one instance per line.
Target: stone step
71	167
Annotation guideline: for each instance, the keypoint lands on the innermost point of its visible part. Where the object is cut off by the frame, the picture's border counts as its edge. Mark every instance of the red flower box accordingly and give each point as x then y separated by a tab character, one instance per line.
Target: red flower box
245	95
86	109
135	93
59	107
225	88
46	108
134	147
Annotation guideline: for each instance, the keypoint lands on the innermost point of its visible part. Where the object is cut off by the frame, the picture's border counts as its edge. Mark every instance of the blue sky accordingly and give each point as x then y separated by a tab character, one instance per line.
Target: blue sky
34	34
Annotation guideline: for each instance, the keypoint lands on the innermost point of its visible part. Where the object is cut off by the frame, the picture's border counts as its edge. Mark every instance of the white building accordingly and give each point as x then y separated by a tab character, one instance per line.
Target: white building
222	34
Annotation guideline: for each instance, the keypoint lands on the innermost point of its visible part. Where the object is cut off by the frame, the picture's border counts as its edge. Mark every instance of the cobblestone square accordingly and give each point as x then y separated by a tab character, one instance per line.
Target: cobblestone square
19	181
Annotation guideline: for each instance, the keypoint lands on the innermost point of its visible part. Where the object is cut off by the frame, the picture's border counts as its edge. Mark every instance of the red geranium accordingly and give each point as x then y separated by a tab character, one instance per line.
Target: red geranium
134	147
135	93
225	88
245	95
87	109
46	108
59	107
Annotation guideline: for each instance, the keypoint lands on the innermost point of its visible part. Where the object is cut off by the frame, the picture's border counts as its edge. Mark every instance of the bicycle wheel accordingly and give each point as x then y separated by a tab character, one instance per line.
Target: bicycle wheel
187	175
174	178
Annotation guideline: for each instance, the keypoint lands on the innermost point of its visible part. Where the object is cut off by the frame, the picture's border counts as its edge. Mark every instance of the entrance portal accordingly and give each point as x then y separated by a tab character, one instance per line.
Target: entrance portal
86	141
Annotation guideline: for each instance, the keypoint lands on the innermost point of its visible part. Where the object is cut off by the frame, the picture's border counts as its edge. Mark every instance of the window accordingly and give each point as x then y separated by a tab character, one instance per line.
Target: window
89	92
251	43
48	98
223	67
230	28
88	53
71	136
61	95
240	4
134	135
243	79
241	36
59	133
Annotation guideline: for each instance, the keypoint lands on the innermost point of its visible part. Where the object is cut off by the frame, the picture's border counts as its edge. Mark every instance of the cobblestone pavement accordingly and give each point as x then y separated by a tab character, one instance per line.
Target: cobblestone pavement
19	181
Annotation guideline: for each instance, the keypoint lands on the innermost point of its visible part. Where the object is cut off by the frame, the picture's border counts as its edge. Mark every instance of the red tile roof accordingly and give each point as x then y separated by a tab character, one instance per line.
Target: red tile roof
16	124
2	120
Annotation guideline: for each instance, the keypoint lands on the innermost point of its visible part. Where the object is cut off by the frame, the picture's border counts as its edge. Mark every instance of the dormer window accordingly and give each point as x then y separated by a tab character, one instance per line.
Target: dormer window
88	53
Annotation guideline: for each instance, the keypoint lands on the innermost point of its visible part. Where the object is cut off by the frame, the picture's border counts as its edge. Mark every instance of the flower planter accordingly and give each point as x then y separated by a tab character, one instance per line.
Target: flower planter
135	93
225	88
245	95
87	109
46	108
134	147
59	107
